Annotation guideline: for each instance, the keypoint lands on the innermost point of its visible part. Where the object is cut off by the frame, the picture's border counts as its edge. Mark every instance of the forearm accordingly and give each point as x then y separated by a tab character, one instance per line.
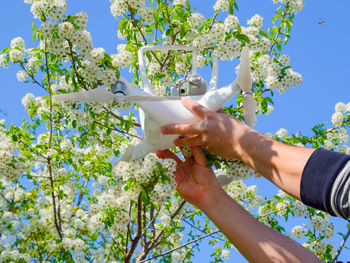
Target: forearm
280	163
255	241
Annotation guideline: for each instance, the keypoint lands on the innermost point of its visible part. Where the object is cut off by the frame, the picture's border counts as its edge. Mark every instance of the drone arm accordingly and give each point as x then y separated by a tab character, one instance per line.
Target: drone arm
244	78
194	63
215	99
145	82
213	84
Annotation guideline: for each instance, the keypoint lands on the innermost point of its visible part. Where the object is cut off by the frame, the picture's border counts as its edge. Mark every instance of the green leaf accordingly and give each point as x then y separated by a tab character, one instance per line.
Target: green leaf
263	32
236	6
274	19
230	7
279	46
14	138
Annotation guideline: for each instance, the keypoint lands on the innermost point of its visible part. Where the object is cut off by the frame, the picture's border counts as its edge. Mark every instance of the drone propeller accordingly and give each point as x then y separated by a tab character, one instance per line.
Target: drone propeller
102	95
244	78
147	98
244	81
249	109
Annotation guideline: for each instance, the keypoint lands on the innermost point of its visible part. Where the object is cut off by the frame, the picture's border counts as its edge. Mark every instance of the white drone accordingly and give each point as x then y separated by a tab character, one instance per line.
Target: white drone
156	111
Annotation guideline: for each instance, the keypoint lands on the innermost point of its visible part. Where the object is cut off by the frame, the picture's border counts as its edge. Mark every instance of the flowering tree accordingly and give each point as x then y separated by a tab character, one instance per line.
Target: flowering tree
61	197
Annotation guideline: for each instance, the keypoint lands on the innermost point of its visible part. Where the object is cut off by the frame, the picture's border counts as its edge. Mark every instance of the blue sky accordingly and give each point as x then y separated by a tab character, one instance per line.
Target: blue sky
318	51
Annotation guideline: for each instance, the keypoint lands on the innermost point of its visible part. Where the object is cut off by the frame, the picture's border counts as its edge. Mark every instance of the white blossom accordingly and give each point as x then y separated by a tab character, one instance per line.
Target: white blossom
22	75
298	231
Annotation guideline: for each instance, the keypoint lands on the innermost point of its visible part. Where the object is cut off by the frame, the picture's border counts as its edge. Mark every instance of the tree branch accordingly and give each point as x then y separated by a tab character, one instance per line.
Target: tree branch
341	246
128	232
115	129
154	242
134	22
74	66
57	222
138	235
82	193
184	245
201	230
32	77
278	33
119	117
57	225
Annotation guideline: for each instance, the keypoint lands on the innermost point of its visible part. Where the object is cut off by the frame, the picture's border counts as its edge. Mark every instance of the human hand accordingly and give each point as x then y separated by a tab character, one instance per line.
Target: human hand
196	183
216	132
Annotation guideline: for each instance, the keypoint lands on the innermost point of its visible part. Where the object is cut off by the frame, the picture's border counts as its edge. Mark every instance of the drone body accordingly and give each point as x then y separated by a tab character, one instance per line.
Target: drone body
156	111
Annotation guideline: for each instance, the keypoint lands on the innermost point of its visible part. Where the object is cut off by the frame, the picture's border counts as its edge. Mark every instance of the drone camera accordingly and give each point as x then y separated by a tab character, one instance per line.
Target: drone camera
193	85
119	88
197	85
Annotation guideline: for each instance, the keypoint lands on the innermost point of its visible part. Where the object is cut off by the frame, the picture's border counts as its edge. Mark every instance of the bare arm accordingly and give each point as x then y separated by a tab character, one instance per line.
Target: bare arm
225	136
255	241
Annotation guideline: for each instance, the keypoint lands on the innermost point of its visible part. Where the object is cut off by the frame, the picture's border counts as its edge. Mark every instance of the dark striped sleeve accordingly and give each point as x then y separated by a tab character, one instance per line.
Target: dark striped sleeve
319	174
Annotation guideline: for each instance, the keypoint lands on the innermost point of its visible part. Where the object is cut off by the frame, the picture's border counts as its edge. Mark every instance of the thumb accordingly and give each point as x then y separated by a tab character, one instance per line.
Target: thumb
194	107
199	156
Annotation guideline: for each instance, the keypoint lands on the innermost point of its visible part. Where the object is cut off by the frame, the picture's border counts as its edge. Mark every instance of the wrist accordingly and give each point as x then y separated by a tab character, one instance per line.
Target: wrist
211	200
241	140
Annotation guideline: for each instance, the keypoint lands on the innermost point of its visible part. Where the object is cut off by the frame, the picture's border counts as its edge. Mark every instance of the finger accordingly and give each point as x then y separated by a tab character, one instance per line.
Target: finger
220	111
194	140
167	154
199	156
180	129
194	107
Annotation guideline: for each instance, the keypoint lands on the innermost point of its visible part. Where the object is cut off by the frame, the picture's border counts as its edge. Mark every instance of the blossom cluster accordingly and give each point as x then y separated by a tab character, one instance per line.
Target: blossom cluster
11	166
120	8
274	75
342	111
144	172
295	5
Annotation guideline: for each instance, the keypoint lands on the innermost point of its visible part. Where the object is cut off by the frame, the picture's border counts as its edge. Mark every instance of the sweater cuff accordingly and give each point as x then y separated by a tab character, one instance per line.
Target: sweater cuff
318	177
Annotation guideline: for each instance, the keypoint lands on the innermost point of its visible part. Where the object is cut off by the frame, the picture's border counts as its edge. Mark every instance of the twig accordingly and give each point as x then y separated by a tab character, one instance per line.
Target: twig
8	201
128	233
74	66
154	242
82	193
144	226
115	129
134	22
151	223
138	232
341	246
37	244
167	11
278	33
57	224
50	95
213	21
32	77
201	230
31	147
119	117
186	244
